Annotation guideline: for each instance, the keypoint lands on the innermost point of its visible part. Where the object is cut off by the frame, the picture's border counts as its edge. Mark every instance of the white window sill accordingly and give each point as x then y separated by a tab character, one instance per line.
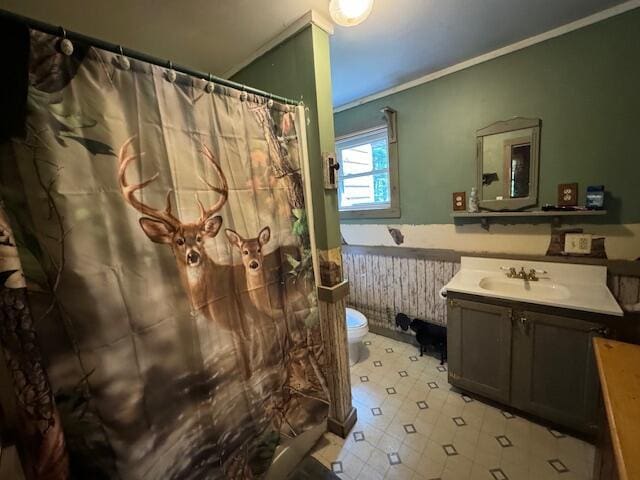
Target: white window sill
390	212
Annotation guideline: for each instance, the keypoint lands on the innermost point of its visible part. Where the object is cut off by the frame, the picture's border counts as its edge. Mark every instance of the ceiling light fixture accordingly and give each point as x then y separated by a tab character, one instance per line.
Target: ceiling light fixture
350	12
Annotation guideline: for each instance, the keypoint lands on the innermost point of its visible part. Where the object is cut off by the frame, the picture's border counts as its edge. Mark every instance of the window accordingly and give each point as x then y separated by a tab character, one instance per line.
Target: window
365	175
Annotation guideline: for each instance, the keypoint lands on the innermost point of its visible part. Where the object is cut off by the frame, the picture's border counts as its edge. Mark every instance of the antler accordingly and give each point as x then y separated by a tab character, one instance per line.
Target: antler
128	191
223	191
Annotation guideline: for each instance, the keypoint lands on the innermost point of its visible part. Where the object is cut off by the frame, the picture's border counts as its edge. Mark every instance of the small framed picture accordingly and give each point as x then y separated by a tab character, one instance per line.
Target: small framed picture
459	201
568	194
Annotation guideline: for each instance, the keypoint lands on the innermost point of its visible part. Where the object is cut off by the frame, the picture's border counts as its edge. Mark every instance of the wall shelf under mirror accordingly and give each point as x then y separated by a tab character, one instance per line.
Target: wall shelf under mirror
555	216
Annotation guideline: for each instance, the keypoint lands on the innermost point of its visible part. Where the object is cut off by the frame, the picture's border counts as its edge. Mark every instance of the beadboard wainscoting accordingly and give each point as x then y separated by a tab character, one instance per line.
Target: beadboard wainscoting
626	289
383	285
387	280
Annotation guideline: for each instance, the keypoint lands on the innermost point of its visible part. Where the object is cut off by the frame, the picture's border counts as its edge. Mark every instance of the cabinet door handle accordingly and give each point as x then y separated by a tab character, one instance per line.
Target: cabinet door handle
524	324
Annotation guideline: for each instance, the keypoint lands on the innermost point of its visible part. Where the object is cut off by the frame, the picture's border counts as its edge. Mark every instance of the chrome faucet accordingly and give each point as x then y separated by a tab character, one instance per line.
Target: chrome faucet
522	274
530	276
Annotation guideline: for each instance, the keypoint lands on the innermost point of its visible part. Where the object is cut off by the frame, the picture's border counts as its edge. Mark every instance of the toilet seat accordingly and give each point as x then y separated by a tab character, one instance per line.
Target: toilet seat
357	324
355	319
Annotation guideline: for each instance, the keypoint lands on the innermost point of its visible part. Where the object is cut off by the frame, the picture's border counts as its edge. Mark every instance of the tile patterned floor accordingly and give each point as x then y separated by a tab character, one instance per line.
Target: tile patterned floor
413	425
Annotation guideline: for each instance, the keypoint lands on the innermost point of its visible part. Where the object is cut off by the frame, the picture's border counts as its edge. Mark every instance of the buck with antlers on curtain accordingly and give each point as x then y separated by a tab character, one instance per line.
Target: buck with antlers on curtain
163	236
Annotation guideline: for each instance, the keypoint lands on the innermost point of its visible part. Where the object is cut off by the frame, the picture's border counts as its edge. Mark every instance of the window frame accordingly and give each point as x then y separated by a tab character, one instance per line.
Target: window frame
390	210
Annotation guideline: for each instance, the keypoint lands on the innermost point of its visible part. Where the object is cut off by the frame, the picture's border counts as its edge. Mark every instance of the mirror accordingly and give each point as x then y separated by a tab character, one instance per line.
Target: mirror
508	154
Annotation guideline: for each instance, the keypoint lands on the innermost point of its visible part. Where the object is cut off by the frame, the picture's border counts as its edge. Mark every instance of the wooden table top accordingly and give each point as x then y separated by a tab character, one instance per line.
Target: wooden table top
619	371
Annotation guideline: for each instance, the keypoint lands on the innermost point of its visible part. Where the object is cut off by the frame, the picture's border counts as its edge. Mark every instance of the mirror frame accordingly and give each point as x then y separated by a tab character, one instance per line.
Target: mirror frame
516	123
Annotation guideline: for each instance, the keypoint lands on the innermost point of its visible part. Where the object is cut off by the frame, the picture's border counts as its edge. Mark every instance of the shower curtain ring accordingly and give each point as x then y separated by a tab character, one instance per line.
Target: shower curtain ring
123	61
210	86
270	101
65	45
243	94
171	74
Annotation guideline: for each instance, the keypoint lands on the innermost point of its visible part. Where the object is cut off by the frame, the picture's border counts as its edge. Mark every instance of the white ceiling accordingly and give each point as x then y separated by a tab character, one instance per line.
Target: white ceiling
405	39
401	40
207	35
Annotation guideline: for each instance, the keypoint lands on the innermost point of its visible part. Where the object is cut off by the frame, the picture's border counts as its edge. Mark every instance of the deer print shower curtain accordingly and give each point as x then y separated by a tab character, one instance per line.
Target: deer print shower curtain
159	317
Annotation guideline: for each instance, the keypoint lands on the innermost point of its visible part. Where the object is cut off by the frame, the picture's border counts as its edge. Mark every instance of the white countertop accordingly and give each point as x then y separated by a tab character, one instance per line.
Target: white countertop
564	285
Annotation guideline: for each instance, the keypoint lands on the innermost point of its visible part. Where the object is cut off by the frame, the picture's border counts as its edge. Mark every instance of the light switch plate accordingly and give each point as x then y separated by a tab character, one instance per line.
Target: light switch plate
577	243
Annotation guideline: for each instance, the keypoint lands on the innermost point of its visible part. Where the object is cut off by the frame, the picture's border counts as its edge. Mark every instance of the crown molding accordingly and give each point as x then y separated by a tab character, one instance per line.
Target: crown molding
514	47
312	17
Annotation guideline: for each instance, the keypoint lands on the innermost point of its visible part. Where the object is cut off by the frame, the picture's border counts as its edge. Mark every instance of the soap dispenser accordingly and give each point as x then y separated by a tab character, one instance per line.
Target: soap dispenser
473	201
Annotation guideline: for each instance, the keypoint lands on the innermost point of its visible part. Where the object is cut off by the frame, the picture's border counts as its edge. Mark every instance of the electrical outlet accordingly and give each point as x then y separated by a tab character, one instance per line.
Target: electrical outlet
577	243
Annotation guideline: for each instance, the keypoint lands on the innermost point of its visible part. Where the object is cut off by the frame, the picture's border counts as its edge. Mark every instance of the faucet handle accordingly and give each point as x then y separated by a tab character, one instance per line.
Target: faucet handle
511	271
533	274
534	271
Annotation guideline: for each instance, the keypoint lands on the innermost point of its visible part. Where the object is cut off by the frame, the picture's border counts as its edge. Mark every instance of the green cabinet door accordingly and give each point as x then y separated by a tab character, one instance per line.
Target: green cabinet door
554	372
479	348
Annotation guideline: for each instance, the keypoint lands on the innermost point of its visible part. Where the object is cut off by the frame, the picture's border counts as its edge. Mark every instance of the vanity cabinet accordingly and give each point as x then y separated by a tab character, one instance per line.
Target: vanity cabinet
479	348
538	362
554	368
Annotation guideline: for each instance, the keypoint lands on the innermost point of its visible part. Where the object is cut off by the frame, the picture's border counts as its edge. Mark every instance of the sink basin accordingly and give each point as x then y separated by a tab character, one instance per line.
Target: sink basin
519	288
563	285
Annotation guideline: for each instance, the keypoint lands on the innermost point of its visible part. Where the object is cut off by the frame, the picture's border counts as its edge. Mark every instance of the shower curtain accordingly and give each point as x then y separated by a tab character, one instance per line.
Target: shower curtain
159	317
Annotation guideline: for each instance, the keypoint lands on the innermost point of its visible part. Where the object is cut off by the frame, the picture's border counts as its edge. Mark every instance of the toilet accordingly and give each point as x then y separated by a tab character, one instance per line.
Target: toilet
357	328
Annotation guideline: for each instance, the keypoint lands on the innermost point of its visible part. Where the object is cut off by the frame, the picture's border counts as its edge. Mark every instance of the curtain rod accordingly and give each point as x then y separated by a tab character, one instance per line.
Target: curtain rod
113	48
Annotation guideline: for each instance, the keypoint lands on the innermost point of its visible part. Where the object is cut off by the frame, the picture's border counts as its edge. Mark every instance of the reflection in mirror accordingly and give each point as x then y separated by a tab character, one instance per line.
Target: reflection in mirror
519	170
507	164
505	167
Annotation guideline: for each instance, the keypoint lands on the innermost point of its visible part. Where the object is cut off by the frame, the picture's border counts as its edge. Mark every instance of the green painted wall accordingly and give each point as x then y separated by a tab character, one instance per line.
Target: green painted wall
585	86
299	68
